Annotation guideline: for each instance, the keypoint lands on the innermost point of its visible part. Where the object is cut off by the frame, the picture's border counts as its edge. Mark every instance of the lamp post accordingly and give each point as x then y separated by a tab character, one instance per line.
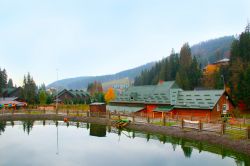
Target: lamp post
56	90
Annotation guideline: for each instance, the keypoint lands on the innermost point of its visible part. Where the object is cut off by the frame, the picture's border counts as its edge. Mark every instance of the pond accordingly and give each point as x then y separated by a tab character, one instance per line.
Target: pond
38	143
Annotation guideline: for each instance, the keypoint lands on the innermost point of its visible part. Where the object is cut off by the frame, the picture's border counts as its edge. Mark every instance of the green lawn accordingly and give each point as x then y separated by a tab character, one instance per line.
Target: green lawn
167	123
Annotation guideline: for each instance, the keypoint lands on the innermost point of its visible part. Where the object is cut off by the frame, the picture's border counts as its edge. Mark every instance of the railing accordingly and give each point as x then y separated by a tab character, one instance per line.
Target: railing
233	130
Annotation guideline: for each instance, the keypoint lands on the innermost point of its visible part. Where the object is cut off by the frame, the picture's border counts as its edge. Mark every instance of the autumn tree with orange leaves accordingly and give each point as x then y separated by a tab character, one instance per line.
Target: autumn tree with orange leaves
109	95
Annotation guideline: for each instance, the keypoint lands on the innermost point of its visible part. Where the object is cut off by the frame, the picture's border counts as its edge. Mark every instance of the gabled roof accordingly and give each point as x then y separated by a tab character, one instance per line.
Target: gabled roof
148	94
74	93
204	99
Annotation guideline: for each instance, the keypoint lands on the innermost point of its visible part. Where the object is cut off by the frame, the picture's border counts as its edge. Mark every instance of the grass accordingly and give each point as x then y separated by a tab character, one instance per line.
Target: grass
167	123
236	134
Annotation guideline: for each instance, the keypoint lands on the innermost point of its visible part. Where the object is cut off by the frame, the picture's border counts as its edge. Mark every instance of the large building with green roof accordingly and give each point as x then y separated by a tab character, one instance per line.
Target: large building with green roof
168	97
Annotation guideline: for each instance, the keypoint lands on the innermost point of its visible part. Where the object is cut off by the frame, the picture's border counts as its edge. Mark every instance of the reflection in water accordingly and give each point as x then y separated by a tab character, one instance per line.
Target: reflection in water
186	149
97	130
2	126
197	152
27	126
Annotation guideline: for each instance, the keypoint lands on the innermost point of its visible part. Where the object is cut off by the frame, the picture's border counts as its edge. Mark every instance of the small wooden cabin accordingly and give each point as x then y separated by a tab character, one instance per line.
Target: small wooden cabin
97	107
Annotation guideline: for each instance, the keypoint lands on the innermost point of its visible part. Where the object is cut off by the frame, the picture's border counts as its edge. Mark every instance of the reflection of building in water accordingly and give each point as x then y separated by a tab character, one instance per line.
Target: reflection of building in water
97	130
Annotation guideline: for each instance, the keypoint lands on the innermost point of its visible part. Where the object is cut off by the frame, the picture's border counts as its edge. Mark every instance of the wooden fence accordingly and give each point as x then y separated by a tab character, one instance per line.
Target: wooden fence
236	131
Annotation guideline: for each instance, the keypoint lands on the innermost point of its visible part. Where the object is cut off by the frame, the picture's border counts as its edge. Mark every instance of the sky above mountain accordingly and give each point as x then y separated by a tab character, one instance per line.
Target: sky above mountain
95	37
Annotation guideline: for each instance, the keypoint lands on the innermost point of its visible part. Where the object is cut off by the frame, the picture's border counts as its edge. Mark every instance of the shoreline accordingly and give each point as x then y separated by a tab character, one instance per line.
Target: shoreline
240	146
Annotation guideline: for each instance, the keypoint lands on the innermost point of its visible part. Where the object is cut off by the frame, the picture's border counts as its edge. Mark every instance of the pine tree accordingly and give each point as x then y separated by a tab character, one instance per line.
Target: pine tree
29	89
185	64
10	83
42	97
239	67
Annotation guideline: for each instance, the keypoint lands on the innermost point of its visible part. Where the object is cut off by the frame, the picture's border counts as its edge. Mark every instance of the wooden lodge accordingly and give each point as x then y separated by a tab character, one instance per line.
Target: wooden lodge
168	98
73	97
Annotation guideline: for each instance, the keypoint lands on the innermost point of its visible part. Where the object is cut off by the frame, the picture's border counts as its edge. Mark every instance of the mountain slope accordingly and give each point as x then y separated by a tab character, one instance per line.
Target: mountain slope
206	52
213	50
82	82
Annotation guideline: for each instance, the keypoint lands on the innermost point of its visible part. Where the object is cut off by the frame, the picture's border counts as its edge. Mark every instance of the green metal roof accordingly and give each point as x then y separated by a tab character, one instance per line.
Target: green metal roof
159	94
74	93
124	108
201	99
164	108
169	93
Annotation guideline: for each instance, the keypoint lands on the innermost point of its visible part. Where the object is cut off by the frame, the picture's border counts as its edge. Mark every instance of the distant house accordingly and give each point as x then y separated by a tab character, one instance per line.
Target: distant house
168	98
12	92
11	102
214	67
73	97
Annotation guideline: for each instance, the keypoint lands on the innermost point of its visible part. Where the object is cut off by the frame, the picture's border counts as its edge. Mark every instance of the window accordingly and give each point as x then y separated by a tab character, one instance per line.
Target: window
224	109
218	107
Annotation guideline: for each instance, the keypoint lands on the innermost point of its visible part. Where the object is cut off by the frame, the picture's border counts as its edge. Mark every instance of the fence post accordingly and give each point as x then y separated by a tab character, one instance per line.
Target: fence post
88	113
182	123
223	126
200	125
67	112
109	115
148	119
164	119
119	116
248	132
133	118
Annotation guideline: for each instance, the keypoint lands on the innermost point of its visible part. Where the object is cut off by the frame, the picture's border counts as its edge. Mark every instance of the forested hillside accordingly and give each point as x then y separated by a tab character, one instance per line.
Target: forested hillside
212	50
185	67
180	67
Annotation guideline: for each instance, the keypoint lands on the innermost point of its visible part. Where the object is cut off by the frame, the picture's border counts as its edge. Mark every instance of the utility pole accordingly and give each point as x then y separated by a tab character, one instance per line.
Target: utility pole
56	90
222	76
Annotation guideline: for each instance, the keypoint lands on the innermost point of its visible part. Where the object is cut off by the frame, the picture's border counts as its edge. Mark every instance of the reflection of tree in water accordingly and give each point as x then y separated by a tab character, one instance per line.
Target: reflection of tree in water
87	126
56	123
27	125
12	123
97	130
239	162
186	149
2	126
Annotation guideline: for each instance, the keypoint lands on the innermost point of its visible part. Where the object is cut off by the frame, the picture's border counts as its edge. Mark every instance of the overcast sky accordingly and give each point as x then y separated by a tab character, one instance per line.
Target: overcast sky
95	37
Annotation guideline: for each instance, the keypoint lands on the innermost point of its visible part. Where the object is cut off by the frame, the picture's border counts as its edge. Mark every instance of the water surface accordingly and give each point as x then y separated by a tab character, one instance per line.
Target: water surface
49	143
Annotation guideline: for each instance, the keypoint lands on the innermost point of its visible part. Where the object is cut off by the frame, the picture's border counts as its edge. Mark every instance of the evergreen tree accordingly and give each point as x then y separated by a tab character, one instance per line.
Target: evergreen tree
184	69
173	65
10	83
42	97
3	81
29	89
185	56
239	68
195	73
